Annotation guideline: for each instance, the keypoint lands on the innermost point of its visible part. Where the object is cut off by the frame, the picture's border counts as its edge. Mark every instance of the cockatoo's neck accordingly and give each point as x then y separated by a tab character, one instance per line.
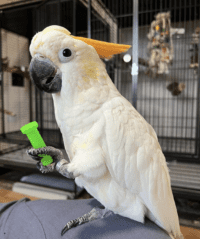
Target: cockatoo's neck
80	90
78	100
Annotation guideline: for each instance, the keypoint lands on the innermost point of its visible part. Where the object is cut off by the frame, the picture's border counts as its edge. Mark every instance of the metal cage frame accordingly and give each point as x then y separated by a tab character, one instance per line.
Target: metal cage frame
124	14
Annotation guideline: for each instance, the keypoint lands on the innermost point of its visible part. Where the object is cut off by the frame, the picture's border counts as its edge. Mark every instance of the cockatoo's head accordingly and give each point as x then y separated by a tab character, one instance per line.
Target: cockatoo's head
55	52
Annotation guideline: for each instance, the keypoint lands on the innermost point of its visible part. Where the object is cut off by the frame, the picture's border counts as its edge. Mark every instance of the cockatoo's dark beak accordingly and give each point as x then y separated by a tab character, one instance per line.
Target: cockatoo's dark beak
45	74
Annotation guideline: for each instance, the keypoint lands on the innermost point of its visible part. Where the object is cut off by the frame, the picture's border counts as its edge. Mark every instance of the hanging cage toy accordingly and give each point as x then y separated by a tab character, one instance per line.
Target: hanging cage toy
161	50
194	63
160	45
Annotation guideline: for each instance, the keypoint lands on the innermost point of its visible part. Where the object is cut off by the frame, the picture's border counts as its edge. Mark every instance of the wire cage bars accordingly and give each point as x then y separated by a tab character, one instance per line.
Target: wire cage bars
174	116
169	101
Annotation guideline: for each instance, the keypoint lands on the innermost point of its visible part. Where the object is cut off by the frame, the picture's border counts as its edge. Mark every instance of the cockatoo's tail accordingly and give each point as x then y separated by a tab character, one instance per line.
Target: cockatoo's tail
36	140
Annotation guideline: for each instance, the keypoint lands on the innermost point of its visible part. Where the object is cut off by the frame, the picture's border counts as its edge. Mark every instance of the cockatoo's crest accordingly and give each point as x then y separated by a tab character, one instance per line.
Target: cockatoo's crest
104	49
56	28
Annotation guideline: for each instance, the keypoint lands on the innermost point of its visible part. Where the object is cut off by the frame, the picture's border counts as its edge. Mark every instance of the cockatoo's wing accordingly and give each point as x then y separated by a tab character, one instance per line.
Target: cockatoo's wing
137	163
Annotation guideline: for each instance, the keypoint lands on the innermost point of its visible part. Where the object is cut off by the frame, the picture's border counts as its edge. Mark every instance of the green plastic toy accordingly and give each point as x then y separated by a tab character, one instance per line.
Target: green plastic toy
36	140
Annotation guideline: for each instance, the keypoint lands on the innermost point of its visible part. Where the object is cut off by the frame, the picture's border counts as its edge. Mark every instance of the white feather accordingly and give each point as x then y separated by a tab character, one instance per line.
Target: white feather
113	151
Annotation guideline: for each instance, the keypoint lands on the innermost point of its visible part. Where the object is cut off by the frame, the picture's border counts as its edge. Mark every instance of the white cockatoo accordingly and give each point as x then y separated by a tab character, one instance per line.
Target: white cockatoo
113	152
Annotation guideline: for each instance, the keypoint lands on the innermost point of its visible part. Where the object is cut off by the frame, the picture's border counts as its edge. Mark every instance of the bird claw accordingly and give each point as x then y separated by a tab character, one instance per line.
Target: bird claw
69	225
56	155
95	213
46	169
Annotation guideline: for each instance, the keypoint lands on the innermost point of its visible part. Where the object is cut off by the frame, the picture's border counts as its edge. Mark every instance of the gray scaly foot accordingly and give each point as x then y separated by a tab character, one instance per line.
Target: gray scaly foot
95	213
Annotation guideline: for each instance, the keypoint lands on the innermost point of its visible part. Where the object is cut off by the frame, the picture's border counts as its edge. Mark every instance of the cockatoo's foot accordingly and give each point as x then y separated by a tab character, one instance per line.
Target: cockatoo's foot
95	213
56	155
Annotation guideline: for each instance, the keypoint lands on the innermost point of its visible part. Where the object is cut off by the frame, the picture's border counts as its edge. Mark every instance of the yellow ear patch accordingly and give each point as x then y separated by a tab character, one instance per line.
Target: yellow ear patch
104	49
90	69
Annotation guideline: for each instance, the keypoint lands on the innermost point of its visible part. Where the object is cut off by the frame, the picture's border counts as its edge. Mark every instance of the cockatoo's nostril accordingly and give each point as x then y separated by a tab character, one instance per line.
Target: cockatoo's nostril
39	56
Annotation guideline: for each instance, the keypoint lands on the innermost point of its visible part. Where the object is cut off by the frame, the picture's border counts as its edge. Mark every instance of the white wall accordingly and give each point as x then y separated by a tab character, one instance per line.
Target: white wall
16	98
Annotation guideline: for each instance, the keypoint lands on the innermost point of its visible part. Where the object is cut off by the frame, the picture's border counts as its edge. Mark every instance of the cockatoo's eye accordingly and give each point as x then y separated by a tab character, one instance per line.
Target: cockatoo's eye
67	52
65	55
